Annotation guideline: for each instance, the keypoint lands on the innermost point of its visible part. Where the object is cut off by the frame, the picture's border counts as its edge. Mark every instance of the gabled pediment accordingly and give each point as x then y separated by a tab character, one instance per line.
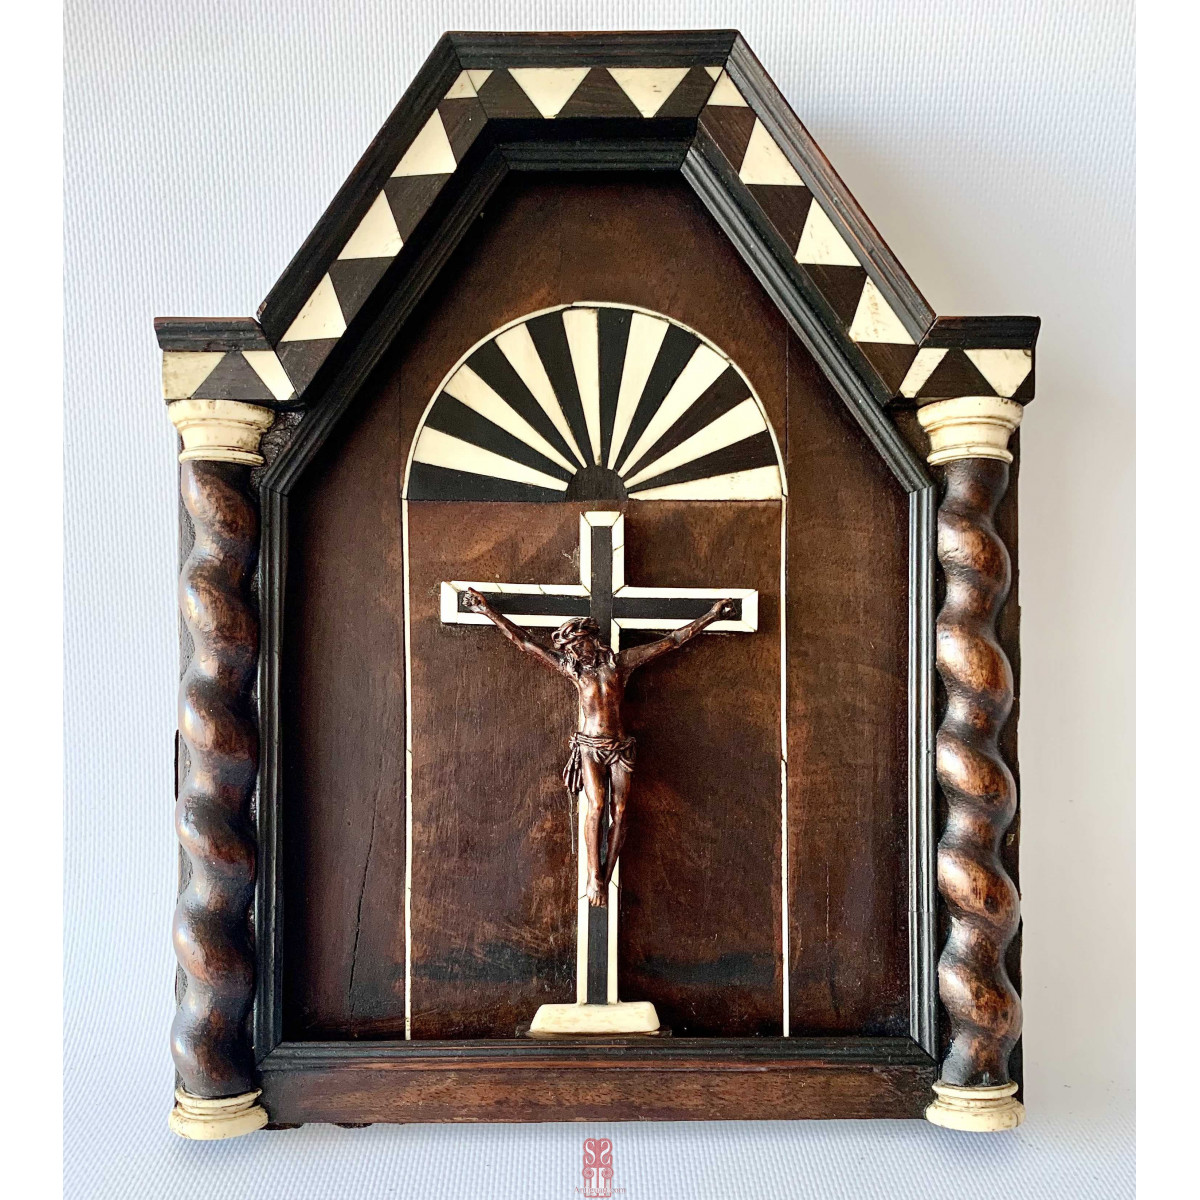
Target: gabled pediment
695	103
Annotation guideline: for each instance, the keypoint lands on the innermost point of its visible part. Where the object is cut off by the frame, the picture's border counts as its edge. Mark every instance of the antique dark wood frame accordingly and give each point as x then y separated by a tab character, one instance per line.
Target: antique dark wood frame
668	1079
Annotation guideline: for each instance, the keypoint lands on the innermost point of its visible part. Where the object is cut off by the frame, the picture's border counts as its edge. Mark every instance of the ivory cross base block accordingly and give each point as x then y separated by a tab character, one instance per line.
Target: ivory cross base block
592	333
624	1016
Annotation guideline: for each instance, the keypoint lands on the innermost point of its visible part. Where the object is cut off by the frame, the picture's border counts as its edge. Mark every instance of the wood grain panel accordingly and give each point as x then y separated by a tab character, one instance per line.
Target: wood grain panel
701	904
493	912
847	683
343	736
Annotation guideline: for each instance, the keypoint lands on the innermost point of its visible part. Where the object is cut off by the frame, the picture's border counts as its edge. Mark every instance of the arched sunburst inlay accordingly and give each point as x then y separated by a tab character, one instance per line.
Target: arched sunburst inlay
595	401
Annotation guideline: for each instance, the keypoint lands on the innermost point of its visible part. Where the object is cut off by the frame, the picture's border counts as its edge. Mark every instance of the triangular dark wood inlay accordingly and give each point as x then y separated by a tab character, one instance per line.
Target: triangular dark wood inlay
354	279
463	119
786	207
955	375
302	360
841	286
690	96
599	95
409	197
730	127
891	361
233	378
502	96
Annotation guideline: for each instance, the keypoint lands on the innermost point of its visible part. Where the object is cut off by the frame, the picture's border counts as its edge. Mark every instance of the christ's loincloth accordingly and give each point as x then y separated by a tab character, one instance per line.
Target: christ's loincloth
602	750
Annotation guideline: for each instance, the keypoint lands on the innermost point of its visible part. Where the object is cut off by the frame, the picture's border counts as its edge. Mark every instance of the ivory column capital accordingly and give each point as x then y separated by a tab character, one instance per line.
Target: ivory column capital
969	427
220	430
209	1120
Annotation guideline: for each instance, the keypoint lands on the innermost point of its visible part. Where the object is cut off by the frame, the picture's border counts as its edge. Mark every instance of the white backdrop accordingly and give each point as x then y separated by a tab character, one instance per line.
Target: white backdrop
991	141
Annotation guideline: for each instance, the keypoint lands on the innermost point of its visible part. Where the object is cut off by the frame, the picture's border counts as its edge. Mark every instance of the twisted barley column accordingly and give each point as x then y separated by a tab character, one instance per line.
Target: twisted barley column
975	1091
209	1037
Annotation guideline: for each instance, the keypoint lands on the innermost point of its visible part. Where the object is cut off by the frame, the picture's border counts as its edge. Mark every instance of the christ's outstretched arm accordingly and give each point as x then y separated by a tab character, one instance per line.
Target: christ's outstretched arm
477	602
638	656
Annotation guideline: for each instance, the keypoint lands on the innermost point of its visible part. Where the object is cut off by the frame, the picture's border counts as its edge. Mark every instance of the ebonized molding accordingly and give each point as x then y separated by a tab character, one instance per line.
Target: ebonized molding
922	870
1016	333
683	48
198	334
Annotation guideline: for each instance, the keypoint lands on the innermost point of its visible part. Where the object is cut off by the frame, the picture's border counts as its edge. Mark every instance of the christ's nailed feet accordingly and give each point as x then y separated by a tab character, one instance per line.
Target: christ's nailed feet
596	892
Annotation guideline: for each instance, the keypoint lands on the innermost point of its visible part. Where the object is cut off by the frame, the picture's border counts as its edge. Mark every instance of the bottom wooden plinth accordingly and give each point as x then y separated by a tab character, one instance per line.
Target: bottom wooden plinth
976	1109
566	1020
209	1120
619	1077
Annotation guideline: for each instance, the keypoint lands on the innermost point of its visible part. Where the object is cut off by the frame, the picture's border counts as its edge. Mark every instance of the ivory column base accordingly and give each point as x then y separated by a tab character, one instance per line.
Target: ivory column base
976	1109
207	1120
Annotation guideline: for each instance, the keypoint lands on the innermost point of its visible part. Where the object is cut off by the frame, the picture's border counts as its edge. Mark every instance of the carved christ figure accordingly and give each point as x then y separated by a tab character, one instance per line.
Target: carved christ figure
601	752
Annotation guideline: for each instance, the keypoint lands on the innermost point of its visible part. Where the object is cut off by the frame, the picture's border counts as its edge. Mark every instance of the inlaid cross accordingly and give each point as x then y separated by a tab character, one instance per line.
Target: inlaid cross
603	595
